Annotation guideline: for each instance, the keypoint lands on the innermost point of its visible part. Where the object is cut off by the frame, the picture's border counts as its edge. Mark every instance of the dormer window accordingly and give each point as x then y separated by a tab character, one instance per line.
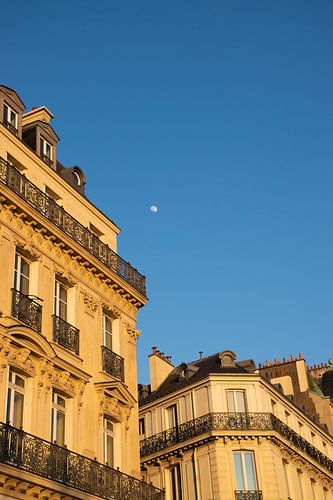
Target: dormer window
10	119
76	178
46	151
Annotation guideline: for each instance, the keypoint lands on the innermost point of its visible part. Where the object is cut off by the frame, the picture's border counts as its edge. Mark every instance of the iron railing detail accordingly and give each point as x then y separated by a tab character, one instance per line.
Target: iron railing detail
112	363
10	127
26	310
231	422
46	159
248	495
30	453
66	335
46	206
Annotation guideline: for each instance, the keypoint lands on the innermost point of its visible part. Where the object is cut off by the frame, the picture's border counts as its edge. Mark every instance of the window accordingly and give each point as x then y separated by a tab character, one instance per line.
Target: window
172	417
299	475
286	476
108	441
175	483
21	274
236	401
76	178
107	332
45	149
245	470
58	417
141	426
10	117
273	403
15	399
60	300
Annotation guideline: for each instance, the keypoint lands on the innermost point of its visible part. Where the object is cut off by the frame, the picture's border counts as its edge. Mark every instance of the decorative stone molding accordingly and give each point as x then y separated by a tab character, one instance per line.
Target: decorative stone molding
111	406
4	352
133	332
21	358
90	303
49	377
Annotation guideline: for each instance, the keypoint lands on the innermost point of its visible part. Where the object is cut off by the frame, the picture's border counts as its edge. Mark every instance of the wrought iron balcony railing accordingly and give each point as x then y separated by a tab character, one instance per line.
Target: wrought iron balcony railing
45	459
46	159
112	363
248	495
231	422
46	206
26	310
10	127
66	335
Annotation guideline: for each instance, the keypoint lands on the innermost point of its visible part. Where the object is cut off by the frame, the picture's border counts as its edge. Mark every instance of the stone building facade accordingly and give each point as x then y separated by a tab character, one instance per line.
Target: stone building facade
68	309
220	428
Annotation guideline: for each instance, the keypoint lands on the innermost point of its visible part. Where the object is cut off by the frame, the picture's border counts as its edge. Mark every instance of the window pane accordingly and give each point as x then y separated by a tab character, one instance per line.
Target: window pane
231	401
5	113
24	285
239	471
19	381
60	428
240	401
108	341
109	450
61	402
48	150
18	409
250	473
25	268
42	146
63	310
12	118
63	293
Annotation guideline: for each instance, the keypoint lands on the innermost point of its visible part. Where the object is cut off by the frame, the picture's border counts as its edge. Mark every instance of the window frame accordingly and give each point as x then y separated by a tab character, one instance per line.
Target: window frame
108	436
174	410
105	332
9	111
56	409
175	476
142	426
43	143
244	471
12	389
19	274
58	301
235	401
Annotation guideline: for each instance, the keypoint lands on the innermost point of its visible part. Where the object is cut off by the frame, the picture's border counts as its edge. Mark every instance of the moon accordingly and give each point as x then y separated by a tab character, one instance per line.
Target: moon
153	209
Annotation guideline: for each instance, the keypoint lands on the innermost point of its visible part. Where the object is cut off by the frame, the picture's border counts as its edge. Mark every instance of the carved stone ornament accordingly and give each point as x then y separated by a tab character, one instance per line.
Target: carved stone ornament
110	405
21	358
90	303
4	352
133	332
49	376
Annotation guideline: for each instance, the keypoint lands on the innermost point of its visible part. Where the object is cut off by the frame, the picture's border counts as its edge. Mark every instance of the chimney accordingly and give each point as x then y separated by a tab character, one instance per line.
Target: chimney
159	368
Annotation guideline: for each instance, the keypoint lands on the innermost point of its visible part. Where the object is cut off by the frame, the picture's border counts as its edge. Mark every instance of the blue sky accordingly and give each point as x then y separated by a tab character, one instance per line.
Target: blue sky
219	113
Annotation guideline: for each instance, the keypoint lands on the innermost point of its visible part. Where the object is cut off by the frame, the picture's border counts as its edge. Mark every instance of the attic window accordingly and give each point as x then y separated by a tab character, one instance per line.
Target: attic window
76	178
10	119
46	151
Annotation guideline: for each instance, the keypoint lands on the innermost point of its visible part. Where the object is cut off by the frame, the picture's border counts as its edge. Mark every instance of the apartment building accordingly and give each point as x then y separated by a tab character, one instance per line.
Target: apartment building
220	428
68	309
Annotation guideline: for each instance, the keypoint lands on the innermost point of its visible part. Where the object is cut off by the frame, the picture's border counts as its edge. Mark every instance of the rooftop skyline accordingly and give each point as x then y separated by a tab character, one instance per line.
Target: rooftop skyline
220	115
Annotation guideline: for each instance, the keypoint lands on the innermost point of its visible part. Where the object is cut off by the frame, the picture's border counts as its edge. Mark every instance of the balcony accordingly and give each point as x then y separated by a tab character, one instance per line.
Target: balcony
42	458
232	422
66	335
47	207
248	495
112	363
10	127
27	310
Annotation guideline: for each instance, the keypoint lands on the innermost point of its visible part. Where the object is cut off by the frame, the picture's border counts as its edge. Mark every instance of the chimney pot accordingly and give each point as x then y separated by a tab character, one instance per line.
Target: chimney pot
200	354
292	358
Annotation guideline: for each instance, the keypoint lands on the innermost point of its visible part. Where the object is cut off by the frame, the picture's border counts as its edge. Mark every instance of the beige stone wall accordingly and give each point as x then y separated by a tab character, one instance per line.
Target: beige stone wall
209	457
90	392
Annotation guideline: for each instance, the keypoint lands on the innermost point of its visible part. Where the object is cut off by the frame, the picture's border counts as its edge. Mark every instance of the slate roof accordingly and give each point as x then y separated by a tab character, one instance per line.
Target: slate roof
188	373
